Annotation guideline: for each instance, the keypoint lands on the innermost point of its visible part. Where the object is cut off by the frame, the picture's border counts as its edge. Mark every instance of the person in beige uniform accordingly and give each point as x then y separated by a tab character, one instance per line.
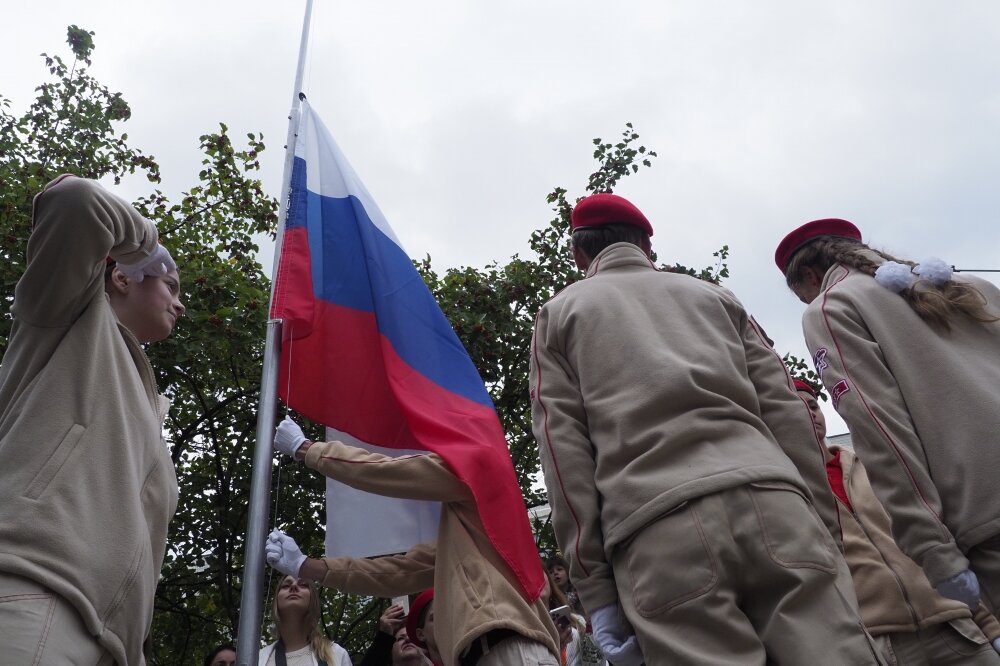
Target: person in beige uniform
681	467
480	616
910	355
87	486
912	624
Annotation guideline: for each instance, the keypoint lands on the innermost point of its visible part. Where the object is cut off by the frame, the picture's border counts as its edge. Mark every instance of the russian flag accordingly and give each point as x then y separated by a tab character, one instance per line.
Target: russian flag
367	352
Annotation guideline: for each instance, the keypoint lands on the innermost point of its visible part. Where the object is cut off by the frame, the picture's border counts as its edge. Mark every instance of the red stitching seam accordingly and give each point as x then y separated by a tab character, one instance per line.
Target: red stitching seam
868	409
805	405
548	439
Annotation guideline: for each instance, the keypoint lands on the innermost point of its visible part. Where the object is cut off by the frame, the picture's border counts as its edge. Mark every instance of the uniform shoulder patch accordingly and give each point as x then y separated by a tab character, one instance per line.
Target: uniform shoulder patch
819	362
838	390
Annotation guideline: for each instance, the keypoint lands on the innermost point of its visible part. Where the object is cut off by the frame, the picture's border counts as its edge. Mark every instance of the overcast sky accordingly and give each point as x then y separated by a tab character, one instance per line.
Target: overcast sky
461	116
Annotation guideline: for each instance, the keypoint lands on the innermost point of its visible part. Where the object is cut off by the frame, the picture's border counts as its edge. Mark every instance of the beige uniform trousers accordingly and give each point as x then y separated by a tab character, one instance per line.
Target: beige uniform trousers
38	627
955	643
742	577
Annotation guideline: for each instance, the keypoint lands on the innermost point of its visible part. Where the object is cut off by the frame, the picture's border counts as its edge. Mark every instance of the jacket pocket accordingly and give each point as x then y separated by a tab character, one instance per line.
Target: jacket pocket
657	585
55	463
790	528
135	591
964	637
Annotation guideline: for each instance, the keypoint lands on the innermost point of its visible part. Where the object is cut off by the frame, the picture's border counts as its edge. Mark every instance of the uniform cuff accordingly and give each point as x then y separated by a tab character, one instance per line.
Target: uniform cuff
943	562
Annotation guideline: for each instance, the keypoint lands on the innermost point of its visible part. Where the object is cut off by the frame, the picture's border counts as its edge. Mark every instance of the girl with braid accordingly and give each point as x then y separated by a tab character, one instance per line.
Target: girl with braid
910	355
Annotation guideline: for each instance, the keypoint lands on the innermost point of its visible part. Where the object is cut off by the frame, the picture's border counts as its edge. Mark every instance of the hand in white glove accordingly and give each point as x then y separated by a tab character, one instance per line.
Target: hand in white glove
619	646
282	553
628	654
157	264
288	437
962	587
996	645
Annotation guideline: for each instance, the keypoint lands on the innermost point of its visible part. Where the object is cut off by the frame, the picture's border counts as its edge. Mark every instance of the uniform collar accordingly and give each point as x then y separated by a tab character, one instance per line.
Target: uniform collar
619	255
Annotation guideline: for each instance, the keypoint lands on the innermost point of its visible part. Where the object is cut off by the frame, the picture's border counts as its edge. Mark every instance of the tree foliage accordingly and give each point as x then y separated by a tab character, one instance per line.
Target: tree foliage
211	366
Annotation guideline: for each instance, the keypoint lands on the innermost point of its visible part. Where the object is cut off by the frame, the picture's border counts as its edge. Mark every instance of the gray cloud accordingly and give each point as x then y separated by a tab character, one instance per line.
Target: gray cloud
461	116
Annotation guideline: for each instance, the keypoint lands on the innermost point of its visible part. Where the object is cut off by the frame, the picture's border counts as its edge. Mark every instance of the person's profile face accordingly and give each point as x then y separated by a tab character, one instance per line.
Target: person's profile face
819	421
149	309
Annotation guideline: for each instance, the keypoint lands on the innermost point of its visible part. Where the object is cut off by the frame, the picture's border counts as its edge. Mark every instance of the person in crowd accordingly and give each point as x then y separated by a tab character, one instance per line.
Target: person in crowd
491	624
910	355
558	570
420	626
299	637
87	486
405	652
380	651
912	624
681	466
578	648
224	655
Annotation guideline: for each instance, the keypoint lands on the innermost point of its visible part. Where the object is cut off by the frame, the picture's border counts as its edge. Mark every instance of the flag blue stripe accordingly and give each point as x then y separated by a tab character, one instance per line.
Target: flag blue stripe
355	265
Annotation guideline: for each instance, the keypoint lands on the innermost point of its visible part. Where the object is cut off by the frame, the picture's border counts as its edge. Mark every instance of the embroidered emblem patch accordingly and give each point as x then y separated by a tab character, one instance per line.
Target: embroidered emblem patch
819	362
839	389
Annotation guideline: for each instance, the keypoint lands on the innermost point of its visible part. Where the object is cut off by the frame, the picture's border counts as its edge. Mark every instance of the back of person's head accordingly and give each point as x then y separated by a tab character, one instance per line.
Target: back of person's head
310	621
821	244
220	656
604	219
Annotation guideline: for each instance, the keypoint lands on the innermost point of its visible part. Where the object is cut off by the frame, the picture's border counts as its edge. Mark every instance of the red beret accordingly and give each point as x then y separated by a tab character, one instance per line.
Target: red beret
831	226
413	617
600	209
805	386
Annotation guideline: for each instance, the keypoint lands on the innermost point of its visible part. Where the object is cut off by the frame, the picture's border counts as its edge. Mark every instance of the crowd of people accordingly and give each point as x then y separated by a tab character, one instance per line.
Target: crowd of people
702	515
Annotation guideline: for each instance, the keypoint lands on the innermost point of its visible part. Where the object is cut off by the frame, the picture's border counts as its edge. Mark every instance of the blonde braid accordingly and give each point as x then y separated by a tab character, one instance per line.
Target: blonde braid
935	304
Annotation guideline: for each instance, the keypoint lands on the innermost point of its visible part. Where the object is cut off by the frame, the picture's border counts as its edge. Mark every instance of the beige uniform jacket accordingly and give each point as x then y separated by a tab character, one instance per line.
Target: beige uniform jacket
893	592
87	487
923	408
651	388
474	590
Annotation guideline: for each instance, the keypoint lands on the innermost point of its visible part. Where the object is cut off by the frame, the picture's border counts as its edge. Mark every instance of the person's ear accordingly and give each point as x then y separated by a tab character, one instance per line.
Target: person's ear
647	246
119	281
811	276
581	258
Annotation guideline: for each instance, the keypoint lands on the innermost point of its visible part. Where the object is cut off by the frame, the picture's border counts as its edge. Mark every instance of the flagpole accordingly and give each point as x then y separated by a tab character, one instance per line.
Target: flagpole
252	597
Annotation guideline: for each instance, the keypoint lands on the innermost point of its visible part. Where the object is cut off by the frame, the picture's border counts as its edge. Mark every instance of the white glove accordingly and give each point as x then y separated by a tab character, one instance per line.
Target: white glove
962	587
619	647
157	264
996	645
628	654
288	437
282	553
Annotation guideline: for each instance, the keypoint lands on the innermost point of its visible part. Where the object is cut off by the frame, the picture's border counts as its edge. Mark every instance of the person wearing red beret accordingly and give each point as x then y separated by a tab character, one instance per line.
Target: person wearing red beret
911	623
910	355
681	467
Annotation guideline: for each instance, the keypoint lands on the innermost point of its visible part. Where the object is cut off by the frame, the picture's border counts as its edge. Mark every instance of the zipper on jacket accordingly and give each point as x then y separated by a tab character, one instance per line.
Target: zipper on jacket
899	581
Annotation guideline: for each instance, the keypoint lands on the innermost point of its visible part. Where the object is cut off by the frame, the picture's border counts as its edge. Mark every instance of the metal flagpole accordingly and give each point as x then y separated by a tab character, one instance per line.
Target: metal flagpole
252	599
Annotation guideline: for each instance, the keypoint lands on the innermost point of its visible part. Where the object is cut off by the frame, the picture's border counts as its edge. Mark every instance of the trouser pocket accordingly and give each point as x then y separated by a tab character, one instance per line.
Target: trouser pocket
790	528
669	561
